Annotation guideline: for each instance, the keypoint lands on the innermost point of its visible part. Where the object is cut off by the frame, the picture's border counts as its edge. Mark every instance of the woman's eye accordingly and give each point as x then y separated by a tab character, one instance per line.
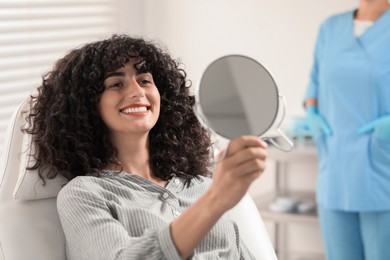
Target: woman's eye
145	82
145	79
116	85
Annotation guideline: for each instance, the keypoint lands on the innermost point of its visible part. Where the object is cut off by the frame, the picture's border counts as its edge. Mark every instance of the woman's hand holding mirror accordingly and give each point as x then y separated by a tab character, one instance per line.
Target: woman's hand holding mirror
242	163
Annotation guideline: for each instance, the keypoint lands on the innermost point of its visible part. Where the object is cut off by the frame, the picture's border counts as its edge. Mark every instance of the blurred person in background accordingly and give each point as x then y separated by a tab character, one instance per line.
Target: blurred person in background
347	106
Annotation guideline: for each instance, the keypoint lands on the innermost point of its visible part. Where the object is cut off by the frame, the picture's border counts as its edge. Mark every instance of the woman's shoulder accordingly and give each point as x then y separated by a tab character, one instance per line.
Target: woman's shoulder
79	181
81	185
338	19
335	25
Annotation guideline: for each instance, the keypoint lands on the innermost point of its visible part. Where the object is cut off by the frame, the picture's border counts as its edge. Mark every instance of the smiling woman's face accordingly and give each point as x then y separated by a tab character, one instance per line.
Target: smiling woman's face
130	102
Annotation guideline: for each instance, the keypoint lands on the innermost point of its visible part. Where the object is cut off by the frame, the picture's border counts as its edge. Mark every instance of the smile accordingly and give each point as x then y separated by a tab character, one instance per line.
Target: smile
130	110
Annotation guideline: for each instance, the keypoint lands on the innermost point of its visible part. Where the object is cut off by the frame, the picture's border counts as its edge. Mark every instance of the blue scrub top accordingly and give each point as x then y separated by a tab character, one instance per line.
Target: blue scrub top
351	80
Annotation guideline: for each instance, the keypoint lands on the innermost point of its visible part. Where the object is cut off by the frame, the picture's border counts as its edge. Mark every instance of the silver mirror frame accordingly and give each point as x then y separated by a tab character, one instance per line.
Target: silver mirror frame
280	108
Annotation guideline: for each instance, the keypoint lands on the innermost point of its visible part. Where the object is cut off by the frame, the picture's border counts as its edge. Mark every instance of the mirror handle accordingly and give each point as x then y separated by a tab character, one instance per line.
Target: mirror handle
290	144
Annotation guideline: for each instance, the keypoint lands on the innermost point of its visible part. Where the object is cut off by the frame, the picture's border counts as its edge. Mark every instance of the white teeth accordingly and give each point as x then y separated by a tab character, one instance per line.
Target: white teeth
134	110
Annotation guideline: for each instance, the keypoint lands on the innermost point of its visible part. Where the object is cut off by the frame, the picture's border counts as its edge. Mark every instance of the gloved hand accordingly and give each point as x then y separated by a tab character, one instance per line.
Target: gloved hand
317	123
380	126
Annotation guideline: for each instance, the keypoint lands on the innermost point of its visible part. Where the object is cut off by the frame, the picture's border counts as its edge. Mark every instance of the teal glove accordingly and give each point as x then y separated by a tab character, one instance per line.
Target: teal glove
317	124
380	126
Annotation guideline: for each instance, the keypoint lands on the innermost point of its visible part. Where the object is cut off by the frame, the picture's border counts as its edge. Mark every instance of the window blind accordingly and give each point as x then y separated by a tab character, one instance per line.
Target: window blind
35	33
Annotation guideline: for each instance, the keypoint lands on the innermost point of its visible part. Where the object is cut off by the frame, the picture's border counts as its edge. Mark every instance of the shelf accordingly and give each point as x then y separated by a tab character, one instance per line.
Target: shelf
305	256
263	201
304	154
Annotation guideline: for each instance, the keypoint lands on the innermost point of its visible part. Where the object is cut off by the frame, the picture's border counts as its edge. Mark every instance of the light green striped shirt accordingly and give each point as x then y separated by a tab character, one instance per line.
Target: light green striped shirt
125	216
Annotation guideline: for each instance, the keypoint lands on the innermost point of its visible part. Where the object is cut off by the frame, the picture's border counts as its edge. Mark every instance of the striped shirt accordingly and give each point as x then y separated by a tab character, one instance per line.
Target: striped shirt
125	216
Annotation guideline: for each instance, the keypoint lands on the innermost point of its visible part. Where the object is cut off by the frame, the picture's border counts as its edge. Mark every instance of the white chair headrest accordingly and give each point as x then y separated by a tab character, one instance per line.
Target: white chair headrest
29	186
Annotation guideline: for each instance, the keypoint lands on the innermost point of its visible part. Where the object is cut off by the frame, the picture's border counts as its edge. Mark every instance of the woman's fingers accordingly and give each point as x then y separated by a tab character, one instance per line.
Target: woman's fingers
244	142
249	167
247	155
244	155
243	163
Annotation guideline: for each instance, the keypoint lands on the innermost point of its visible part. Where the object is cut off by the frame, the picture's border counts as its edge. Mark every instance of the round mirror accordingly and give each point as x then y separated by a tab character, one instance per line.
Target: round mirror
238	96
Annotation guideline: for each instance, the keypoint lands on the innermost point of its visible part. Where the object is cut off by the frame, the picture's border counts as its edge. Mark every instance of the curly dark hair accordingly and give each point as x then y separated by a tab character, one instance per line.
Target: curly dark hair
69	135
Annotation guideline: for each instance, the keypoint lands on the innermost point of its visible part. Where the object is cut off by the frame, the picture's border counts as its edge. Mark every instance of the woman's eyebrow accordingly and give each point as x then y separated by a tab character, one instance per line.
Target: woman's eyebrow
115	74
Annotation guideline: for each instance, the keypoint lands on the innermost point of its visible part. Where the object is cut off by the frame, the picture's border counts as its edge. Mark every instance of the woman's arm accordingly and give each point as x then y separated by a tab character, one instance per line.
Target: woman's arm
244	162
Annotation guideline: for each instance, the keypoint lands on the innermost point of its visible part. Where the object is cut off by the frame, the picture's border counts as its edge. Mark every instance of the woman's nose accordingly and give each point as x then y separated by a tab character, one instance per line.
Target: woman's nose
135	90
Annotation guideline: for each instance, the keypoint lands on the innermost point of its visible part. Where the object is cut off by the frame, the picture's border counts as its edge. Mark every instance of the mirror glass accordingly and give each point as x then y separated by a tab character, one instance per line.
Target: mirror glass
238	96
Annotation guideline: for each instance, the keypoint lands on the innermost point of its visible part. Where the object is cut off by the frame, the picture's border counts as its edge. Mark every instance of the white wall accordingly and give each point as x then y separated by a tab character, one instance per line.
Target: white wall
280	34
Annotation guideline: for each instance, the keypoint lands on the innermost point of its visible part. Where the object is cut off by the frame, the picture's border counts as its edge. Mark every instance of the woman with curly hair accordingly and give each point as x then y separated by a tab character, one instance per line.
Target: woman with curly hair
115	117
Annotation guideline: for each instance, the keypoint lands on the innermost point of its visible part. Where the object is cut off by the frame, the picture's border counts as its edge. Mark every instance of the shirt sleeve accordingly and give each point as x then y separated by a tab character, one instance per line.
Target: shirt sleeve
92	233
312	87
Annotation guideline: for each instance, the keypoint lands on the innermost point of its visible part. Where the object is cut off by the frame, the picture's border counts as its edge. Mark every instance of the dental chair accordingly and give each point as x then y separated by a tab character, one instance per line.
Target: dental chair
30	228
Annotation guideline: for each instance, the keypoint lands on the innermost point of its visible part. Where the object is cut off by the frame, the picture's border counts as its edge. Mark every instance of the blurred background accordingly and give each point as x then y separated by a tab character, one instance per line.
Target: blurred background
280	34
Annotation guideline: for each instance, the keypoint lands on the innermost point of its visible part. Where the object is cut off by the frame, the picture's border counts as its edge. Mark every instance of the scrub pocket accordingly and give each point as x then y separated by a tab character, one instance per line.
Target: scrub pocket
380	155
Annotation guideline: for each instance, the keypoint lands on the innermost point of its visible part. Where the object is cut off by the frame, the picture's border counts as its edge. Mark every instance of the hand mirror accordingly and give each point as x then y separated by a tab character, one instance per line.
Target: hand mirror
238	96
